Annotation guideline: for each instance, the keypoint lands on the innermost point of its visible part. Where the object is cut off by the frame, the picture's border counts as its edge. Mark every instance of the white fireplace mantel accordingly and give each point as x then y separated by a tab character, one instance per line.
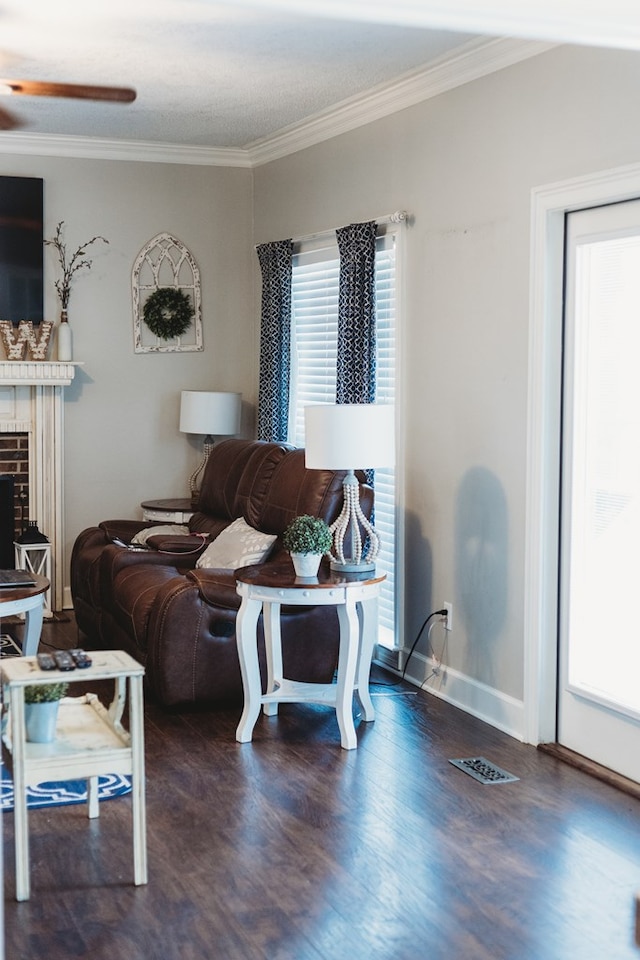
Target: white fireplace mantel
31	401
33	372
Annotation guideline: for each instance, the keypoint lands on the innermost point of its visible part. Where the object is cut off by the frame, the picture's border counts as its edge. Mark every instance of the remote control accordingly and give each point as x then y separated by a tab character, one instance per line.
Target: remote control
46	661
81	659
64	660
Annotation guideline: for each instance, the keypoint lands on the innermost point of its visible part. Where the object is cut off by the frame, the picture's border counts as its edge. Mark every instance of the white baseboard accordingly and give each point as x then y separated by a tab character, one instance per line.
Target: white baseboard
481	701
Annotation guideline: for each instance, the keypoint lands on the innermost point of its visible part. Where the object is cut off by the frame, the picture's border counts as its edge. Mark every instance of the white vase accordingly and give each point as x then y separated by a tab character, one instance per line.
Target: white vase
306	564
65	339
40	721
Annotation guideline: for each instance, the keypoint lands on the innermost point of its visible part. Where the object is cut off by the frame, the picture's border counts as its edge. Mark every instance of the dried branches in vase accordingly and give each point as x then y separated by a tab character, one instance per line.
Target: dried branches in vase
70	266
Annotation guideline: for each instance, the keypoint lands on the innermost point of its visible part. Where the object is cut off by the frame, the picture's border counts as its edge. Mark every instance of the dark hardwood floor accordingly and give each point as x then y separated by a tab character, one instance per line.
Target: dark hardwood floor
290	848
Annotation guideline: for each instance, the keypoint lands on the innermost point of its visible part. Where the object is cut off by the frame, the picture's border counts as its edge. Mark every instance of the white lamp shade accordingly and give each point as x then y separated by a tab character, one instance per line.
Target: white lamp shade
207	412
349	436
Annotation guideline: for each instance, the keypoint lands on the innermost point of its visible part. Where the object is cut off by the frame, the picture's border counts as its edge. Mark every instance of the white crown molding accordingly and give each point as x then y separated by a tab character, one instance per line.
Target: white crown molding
473	60
91	148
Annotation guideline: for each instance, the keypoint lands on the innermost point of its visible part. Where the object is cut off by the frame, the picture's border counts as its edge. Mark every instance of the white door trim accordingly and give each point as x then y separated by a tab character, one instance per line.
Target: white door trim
549	204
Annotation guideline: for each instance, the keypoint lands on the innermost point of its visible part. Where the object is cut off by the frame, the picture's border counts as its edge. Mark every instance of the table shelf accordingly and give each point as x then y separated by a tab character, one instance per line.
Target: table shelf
296	691
86	743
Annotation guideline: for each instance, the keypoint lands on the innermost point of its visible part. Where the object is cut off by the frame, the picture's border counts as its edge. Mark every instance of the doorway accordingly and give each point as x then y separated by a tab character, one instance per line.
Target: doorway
597	691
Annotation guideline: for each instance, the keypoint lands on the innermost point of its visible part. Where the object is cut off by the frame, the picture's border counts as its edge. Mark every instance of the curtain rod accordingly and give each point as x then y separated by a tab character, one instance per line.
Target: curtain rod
400	216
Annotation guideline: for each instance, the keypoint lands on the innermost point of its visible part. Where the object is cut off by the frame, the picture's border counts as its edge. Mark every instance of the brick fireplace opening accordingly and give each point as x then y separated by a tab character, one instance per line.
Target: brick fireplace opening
14	496
7	521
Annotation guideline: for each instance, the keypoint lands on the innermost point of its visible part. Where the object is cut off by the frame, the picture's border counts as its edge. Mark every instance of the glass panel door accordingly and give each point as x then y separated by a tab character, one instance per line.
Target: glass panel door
599	688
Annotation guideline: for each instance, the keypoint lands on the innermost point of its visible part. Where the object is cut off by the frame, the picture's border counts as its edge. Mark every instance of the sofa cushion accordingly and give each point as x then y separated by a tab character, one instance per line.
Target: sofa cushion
222	474
255	482
239	545
296	491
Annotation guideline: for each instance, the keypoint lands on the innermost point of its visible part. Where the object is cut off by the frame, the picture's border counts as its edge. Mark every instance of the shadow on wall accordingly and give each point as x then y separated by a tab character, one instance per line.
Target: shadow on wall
481	569
419	583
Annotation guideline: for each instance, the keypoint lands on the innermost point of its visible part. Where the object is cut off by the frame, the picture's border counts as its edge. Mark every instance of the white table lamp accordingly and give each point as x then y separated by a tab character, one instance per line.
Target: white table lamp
211	414
350	436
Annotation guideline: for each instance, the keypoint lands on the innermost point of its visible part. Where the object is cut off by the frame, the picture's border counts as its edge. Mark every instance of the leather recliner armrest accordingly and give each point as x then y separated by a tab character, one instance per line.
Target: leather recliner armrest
217	587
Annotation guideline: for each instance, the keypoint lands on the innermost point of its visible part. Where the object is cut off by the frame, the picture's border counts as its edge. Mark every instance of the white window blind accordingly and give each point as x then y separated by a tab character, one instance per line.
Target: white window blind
314	336
385	486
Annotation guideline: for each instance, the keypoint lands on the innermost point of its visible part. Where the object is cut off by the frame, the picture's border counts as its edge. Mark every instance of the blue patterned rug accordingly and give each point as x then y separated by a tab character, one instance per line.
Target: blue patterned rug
9	646
59	794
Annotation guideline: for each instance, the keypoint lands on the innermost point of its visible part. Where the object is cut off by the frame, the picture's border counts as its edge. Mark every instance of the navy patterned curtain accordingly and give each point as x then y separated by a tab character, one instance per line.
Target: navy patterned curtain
356	366
275	338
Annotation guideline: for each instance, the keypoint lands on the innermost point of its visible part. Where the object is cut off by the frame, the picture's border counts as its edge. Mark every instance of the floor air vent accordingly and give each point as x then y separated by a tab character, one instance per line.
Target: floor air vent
483	770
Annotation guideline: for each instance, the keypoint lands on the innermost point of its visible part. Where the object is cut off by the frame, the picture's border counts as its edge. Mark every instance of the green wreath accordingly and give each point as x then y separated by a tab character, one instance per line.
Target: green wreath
168	312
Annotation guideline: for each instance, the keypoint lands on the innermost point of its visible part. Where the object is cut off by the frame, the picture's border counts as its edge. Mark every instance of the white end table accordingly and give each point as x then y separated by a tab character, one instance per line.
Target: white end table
178	510
30	602
90	741
265	588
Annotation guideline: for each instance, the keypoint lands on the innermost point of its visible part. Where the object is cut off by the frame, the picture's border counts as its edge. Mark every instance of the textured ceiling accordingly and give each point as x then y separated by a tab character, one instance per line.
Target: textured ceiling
207	74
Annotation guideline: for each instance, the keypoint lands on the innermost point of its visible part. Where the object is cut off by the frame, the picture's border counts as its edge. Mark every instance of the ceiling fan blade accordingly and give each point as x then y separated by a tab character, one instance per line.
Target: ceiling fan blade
8	121
76	91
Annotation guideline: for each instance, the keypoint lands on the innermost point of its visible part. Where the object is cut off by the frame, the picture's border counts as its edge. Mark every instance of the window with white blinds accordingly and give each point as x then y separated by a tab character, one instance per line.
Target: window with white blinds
314	334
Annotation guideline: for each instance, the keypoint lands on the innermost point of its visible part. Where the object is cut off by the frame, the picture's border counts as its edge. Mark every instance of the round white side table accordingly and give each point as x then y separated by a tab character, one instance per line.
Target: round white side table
30	602
265	588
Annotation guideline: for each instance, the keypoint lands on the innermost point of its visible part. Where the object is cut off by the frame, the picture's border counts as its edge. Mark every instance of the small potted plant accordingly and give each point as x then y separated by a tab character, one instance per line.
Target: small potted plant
41	703
307	539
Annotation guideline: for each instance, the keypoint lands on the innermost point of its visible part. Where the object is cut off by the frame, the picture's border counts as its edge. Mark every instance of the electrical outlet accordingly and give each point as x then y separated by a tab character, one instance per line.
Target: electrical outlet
448	623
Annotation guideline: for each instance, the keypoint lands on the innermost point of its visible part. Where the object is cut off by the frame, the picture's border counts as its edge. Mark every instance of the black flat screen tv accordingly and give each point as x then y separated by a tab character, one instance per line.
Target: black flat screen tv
21	249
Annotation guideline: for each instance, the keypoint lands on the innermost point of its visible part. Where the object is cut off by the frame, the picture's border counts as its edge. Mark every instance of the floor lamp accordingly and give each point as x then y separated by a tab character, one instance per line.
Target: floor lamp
351	436
210	414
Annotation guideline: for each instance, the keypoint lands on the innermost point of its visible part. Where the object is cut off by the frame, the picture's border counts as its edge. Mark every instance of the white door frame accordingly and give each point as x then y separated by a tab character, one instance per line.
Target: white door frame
549	204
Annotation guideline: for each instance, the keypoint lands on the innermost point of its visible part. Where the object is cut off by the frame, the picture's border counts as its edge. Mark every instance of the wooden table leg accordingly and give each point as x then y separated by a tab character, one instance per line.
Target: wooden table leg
273	647
33	628
368	630
93	802
347	662
138	803
21	826
246	635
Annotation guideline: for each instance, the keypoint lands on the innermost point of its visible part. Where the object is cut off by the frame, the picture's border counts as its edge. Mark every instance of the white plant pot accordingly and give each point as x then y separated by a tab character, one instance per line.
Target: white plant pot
40	721
306	564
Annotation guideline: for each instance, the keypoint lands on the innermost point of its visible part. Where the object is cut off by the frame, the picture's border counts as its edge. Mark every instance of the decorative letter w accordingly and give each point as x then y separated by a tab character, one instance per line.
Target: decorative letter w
16	342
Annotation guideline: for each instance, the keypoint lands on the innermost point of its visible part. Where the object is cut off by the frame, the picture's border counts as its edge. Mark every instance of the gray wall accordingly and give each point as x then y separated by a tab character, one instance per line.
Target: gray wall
464	164
122	443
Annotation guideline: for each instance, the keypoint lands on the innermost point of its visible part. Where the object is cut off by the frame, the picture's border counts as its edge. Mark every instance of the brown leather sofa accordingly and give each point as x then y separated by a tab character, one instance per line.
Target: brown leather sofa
178	619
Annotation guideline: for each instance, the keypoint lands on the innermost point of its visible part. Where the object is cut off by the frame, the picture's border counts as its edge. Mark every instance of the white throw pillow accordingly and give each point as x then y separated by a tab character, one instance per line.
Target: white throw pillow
164	529
237	546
